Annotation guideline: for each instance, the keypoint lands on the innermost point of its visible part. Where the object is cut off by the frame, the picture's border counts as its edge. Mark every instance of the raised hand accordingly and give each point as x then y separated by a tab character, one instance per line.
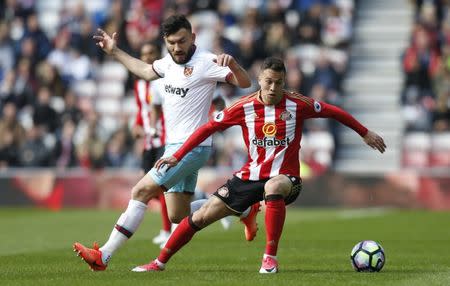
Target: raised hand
375	141
168	161
225	60
104	41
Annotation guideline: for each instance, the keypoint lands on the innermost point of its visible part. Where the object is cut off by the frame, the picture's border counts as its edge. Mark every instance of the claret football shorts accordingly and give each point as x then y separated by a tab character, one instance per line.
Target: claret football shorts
182	177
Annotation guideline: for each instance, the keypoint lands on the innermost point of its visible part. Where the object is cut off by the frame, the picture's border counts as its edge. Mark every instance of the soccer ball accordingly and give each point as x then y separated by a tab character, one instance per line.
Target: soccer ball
367	256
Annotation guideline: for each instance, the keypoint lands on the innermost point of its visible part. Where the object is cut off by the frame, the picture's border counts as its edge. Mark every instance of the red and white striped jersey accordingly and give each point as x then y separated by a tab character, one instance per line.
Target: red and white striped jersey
272	133
145	93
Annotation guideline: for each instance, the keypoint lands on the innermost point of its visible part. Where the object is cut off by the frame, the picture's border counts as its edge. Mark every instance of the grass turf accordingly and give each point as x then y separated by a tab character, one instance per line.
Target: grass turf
36	249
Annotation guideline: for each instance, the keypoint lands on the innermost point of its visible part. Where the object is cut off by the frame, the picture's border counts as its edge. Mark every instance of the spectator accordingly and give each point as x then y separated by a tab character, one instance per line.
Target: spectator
116	152
44	115
47	75
6	50
13	135
310	26
65	148
24	85
34	32
34	152
71	110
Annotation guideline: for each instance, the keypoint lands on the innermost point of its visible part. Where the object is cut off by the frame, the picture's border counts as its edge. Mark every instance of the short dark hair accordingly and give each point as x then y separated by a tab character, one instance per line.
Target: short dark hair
273	63
174	23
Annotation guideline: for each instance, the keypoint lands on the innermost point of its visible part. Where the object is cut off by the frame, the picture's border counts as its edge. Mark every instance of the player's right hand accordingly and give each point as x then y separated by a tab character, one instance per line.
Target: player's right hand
168	161
225	60
375	141
104	41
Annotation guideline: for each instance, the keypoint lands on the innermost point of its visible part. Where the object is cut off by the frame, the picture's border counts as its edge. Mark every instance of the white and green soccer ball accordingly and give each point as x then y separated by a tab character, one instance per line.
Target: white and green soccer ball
367	256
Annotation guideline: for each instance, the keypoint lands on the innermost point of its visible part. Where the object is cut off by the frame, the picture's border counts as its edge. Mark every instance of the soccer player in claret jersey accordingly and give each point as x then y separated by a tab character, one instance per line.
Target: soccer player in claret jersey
189	76
271	120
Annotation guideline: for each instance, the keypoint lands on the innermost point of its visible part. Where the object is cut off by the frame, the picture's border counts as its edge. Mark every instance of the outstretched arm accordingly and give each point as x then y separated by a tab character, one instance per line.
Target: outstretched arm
239	76
370	138
109	45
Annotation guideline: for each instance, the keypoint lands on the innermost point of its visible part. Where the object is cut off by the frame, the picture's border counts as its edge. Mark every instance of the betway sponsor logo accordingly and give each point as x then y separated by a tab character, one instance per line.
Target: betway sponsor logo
176	90
270	142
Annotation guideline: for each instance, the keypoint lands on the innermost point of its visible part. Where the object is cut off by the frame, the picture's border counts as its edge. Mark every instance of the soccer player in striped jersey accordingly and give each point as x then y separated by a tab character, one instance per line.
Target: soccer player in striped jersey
271	120
188	76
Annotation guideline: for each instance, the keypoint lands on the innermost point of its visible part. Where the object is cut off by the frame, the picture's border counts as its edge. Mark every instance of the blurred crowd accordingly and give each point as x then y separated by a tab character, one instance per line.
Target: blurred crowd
426	91
64	103
426	65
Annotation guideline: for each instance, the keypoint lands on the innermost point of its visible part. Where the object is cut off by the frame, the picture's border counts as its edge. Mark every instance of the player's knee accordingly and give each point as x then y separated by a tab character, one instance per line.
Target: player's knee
199	218
273	187
143	193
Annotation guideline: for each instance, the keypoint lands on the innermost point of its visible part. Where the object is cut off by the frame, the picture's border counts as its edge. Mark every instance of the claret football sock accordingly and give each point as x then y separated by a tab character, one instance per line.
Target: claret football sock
182	235
126	225
166	224
274	219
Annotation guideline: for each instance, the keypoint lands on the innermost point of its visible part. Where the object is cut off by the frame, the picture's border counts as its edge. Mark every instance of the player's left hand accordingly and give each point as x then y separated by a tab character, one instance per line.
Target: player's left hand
167	161
225	60
375	141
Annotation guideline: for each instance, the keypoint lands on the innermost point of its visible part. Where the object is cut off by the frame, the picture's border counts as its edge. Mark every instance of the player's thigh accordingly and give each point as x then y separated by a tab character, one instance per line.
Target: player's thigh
213	210
189	165
145	189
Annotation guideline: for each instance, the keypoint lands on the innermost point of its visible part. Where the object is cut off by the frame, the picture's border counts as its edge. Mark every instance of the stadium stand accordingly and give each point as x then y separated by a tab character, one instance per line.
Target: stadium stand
49	63
424	97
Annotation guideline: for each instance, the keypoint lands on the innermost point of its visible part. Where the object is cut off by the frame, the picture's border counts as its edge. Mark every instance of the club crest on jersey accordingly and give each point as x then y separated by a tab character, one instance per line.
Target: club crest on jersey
269	129
317	106
223	192
219	116
188	71
285	116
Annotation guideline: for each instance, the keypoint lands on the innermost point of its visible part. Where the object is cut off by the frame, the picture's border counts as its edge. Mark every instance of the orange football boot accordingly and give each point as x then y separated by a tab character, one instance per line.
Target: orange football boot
251	227
92	256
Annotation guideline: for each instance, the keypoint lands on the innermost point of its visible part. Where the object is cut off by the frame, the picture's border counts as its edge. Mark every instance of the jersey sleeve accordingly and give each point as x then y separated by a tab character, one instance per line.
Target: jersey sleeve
318	109
160	66
215	72
221	121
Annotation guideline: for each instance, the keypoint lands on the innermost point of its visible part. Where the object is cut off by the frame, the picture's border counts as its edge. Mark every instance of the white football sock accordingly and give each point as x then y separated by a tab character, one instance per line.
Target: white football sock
129	220
267	255
173	228
160	264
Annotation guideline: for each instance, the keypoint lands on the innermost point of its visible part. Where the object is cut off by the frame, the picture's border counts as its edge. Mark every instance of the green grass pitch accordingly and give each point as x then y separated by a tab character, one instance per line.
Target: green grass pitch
36	249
